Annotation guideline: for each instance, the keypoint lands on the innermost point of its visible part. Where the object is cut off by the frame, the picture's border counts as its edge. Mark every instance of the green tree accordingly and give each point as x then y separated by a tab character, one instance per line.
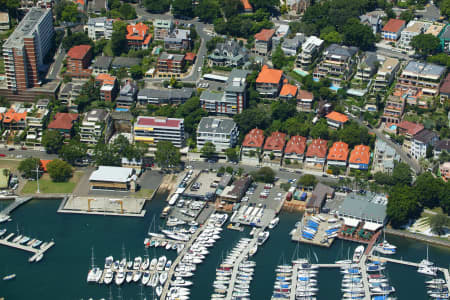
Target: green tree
438	223
307	180
77	38
402	174
106	155
407	15
267	5
167	155
428	189
264	174
182	8
240	171
382	178
359	35
208	10
332	37
52	140
425	44
209	150
127	11
59	170
28	167
353	134
232	154
119	42
229	170
157	6
192	113
90	93
320	130
136	72
73	151
278	58
231	7
445	197
445	8
68	12
402	205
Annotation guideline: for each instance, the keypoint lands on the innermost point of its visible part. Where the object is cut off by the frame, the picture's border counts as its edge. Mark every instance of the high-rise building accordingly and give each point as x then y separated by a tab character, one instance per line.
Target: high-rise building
25	49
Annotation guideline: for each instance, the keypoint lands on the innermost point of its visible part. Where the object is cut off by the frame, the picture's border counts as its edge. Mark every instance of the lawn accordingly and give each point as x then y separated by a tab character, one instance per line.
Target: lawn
47	186
143	193
9	164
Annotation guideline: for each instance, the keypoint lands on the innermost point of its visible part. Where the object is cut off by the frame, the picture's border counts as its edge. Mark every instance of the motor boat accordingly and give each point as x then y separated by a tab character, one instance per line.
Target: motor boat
262	237
274	222
120	277
359	251
163	277
137	263
109	276
129	277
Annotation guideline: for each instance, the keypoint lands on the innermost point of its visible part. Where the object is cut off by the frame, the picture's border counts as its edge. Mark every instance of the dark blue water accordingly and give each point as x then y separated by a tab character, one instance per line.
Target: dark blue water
62	272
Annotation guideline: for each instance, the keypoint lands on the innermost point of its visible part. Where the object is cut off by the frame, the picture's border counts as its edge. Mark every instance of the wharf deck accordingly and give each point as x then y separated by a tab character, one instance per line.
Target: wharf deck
15	204
36	251
294	282
328	265
161	239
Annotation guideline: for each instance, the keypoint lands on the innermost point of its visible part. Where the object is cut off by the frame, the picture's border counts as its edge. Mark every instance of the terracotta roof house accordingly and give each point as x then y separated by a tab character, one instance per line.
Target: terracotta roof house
268	82
408	130
252	144
316	154
288	91
360	157
63	122
338	154
248	8
78	61
108	86
336	120
274	144
138	36
13	120
190	57
295	148
392	30
444	90
263	42
304	100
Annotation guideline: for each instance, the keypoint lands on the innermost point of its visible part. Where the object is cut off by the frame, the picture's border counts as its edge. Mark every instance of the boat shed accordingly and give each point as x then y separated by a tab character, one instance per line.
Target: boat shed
320	193
369	208
236	191
113	178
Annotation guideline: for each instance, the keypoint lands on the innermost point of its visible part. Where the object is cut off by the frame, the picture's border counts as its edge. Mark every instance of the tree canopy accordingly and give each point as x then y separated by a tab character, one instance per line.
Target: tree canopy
208	10
264	174
426	44
119	43
402	174
28	167
73	151
157	6
357	34
182	8
402	205
209	150
59	170
167	154
52	140
77	38
307	180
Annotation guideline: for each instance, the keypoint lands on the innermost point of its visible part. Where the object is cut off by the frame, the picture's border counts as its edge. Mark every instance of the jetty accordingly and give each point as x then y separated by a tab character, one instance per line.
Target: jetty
36	251
294	281
18	201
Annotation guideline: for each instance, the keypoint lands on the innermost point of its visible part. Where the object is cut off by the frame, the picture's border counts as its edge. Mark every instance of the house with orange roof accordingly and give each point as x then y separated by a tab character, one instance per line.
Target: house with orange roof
408	130
274	146
63	123
78	61
263	42
288	91
316	155
253	144
393	29
338	154
13	120
81	5
108	86
360	158
248	8
268	82
336	120
295	149
138	36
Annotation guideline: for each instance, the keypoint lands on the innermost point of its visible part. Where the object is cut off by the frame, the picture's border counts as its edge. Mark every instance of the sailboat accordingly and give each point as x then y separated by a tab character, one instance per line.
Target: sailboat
94	273
384	247
152	229
427	267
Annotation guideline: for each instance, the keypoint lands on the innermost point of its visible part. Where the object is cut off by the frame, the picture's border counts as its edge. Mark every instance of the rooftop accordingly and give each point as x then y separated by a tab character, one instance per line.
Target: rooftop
268	75
174	57
410	127
275	142
297	145
255	138
365	207
106	78
424	69
339	151
337	117
125	62
318	148
442	145
216	125
137	32
246	4
394	25
237	81
445	87
96	115
388	65
158	122
102	62
112	174
319	194
341	51
288	90
264	35
304	95
360	155
63	121
79	52
426	136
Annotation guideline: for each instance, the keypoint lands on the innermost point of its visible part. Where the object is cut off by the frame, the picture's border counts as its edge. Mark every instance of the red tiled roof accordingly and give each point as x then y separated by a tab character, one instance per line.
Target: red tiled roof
304	95
268	75
81	2
360	155
339	151
288	90
105	78
445	87
297	145
189	56
255	138
393	25
265	35
11	116
275	142
63	121
247	6
137	32
410	127
317	148
158	121
78	52
337	117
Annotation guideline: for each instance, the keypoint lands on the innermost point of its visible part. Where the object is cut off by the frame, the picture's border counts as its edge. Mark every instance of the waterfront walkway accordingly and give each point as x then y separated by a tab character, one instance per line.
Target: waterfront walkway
294	281
15	204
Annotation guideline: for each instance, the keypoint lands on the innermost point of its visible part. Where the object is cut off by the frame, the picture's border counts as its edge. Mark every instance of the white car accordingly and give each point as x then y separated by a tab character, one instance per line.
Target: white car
199	69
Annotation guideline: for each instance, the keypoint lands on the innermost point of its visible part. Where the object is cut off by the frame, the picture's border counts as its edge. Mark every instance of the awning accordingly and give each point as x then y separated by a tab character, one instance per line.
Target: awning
351	222
372	226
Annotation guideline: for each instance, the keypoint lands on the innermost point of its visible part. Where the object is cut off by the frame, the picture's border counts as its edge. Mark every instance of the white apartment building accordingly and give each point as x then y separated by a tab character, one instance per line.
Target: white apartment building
310	49
222	132
96	124
98	28
162	28
151	130
386	73
421	141
414	28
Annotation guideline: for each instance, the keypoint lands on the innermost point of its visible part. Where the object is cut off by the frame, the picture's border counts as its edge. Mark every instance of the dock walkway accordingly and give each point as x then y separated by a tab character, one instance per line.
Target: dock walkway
15	204
36	251
294	281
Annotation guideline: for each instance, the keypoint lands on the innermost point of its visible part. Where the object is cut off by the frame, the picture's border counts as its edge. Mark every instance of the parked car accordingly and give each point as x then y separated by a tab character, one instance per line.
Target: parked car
2	155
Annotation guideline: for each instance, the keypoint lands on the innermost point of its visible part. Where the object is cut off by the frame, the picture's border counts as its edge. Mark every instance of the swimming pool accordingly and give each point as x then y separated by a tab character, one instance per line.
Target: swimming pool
393	127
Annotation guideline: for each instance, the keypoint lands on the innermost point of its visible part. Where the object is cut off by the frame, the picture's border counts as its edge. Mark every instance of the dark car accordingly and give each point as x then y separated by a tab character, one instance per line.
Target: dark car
11	149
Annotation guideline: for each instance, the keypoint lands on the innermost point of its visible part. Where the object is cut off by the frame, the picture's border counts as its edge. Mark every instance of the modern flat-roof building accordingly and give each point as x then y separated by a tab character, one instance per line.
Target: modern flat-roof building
392	30
421	141
99	28
268	82
393	110
295	149
385	157
424	77
316	155
178	40
408	130
113	178
95	127
310	50
78	60
263	42
360	158
441	146
151	130
274	147
252	144
386	73
367	66
166	96
413	29
369	208
222	132
338	155
127	95
444	37
25	49
162	28
230	102
170	65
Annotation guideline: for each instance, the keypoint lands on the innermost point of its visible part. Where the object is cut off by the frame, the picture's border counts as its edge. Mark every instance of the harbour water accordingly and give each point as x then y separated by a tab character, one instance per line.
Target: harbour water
62	272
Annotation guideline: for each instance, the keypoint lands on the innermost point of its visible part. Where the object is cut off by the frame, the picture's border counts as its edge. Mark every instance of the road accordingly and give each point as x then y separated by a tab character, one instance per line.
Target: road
56	66
411	162
27	153
194	75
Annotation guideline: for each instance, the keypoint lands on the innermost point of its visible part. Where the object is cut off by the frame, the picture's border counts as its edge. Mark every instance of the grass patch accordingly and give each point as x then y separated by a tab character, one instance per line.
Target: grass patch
144	193
47	186
9	164
107	49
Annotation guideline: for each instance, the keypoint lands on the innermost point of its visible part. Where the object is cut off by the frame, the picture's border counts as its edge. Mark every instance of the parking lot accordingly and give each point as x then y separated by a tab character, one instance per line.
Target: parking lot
204	185
211	85
273	200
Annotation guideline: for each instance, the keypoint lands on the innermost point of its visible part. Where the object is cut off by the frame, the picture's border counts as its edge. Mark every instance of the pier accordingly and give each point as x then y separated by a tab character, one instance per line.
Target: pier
294	281
15	204
36	251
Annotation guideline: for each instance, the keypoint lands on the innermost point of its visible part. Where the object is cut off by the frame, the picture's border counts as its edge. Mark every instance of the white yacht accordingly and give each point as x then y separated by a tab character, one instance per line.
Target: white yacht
274	223
94	273
137	276
161	263
108	262
109	276
137	263
253	250
359	251
159	290
145	264
262	237
153	264
120	277
129	277
163	277
145	277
